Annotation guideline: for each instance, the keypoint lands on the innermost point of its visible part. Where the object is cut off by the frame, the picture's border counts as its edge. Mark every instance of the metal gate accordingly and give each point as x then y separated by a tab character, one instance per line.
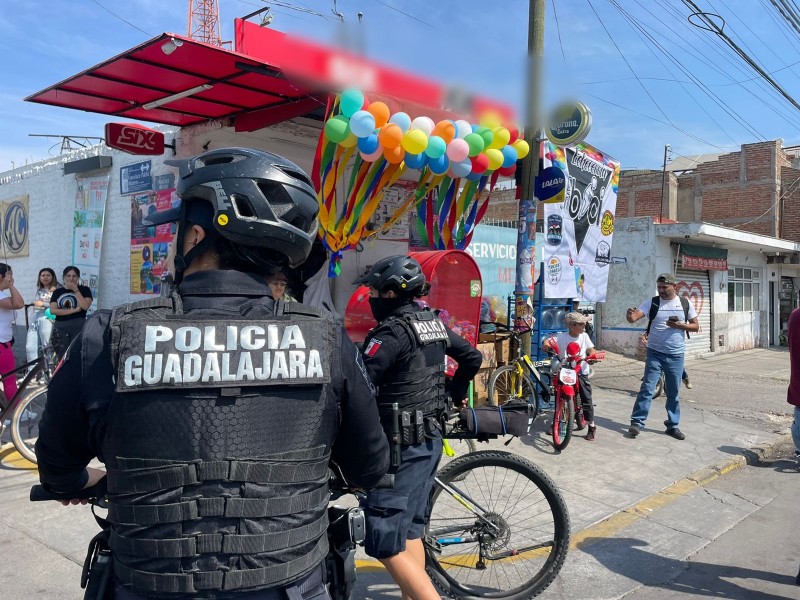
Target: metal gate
695	286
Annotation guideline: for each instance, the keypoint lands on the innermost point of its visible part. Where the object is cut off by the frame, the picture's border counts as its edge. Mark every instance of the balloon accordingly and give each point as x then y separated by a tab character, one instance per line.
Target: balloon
475	143
415	141
480	163
381	113
522	148
445	130
394	155
463	128
495	158
362	123
351	101
473	176
461	168
436	147
507	171
350	141
337	128
372	156
416	161
490	120
487	135
439	165
390	135
457	150
501	137
513	132
509	156
369	144
425	124
401	119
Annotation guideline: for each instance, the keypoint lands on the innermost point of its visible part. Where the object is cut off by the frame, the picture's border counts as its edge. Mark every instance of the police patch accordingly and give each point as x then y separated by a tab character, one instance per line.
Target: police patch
373	347
183	353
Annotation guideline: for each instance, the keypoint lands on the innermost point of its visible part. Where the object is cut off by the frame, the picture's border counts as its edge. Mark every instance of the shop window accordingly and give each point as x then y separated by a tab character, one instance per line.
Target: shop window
744	290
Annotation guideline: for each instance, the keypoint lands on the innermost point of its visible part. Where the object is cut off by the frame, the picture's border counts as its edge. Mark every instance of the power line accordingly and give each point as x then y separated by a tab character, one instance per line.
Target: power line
558	30
407	15
121	19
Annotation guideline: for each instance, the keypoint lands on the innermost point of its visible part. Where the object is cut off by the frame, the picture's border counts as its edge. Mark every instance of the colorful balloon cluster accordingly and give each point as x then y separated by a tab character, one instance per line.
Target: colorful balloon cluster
456	148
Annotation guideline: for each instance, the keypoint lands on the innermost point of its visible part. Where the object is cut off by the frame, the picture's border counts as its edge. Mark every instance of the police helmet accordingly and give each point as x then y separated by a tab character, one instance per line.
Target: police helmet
401	274
259	199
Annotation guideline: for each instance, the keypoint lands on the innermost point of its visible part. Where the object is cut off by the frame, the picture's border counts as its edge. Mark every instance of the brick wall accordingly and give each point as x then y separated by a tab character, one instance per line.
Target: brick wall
790	203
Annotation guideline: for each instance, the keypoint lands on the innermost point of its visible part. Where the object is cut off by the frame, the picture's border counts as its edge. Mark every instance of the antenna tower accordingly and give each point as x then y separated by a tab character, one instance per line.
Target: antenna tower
202	23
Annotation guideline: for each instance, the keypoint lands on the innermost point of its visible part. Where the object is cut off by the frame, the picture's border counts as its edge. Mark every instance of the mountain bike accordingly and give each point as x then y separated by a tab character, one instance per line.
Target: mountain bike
522	379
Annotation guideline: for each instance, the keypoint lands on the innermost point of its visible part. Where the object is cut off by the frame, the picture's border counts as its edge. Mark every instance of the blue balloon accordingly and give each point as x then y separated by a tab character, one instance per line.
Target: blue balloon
461	169
362	123
401	119
509	156
368	144
439	165
416	161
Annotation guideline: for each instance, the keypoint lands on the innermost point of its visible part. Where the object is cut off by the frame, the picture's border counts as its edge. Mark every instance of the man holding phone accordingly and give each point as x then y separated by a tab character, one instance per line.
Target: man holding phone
671	319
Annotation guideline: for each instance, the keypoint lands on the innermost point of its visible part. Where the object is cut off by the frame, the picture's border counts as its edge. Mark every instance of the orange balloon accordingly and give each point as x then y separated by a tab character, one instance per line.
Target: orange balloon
445	130
390	136
394	155
380	111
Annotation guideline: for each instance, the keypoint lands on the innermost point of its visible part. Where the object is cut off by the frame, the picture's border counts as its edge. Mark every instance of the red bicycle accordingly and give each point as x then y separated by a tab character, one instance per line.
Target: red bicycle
564	376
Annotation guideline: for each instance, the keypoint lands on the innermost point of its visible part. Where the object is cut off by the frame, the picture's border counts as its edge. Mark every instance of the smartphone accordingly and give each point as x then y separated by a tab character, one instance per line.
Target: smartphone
674	318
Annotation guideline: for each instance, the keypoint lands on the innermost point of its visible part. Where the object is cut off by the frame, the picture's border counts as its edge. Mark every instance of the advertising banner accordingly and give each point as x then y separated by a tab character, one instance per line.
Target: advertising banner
87	230
150	245
579	230
15	223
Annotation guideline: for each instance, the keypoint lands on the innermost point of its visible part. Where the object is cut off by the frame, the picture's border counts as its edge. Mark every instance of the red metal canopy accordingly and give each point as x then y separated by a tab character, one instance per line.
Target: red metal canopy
215	83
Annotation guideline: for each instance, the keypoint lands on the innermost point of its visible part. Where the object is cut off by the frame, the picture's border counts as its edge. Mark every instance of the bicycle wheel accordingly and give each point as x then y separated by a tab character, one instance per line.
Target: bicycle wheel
659	386
580	417
507	384
562	421
25	422
512	545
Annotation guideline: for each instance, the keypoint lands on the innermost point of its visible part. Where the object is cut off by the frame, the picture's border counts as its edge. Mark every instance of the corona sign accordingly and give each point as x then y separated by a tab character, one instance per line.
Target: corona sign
134	139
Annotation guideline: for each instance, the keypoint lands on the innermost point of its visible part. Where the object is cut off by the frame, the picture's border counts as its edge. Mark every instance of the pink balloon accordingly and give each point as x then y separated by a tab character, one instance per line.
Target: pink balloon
374	156
457	150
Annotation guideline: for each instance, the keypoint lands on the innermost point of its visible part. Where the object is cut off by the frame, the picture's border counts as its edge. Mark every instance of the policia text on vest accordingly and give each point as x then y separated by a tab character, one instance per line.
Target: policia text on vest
182	353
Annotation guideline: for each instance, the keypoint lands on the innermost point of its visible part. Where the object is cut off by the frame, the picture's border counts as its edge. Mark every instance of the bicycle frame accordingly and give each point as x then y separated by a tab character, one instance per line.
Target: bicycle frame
37	366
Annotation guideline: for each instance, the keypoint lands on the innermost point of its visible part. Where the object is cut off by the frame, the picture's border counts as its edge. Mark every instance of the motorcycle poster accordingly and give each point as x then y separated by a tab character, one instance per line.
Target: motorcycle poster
579	230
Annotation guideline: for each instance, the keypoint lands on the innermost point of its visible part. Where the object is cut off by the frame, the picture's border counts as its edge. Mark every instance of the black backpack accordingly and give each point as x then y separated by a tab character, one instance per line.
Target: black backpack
655	303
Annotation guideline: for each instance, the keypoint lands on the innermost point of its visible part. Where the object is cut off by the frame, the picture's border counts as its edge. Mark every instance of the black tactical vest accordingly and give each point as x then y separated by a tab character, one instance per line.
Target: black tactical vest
418	385
217	445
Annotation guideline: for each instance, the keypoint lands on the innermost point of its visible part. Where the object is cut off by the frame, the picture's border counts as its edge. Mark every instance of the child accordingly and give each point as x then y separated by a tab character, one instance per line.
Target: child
576	324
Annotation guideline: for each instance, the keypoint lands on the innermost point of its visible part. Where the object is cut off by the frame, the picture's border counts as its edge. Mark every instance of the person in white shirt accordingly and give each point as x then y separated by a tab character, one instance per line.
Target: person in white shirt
576	325
666	346
10	300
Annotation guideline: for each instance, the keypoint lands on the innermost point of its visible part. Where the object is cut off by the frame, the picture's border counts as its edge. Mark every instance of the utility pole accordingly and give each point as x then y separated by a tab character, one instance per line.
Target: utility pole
525	280
663	181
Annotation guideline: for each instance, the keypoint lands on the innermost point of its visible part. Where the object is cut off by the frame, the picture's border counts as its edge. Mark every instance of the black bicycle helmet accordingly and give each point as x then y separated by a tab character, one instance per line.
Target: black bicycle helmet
260	201
401	274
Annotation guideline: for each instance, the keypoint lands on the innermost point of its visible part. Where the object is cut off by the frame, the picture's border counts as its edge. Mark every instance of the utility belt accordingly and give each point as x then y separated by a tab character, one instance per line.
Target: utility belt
406	427
96	577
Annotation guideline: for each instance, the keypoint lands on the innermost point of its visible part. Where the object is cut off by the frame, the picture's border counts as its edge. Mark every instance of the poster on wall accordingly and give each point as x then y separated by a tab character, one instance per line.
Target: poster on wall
87	230
579	230
393	200
15	226
150	245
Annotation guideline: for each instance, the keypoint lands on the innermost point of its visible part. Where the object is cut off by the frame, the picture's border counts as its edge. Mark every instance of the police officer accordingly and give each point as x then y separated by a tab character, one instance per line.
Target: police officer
405	357
216	409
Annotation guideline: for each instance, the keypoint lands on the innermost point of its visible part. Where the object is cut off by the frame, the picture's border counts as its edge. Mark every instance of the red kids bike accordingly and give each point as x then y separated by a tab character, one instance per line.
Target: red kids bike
566	385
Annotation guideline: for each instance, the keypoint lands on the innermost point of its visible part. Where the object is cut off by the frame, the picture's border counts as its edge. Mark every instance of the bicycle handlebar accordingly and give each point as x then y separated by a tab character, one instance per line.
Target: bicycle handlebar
96	493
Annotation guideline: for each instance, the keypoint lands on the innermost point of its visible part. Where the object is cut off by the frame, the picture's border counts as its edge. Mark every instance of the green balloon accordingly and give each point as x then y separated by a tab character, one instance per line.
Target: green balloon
337	128
475	143
487	135
436	147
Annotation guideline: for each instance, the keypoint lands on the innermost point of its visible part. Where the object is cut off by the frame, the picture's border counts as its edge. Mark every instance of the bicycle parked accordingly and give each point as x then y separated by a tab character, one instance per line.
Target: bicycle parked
521	379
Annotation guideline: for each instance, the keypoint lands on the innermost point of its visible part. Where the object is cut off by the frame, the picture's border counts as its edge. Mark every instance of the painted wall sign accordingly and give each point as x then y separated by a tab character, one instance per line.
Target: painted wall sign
569	124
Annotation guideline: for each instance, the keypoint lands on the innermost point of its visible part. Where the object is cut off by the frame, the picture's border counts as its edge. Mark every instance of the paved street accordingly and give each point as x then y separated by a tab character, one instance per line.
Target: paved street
629	499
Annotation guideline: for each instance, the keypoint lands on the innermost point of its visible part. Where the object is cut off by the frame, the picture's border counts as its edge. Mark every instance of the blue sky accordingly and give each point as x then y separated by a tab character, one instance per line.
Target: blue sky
665	83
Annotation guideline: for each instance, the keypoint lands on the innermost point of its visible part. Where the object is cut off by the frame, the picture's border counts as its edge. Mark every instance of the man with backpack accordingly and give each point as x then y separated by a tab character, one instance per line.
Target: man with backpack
670	319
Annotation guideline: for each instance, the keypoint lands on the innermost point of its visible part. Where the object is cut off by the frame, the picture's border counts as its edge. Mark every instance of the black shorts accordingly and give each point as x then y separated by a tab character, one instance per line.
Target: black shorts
400	514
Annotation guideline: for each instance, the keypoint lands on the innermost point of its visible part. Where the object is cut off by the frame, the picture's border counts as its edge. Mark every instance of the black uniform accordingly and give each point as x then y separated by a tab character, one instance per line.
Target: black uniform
216	420
405	358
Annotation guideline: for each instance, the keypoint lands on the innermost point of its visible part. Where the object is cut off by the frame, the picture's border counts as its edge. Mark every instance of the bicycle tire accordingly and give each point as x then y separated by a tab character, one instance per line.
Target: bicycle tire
454	574
580	416
659	389
563	415
25	422
461	447
503	388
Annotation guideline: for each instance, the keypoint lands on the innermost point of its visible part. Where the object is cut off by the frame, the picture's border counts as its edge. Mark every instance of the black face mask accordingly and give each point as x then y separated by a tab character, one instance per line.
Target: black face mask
384	307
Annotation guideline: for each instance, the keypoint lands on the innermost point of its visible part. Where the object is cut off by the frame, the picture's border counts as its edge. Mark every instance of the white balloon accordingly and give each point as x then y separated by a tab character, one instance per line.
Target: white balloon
463	128
425	124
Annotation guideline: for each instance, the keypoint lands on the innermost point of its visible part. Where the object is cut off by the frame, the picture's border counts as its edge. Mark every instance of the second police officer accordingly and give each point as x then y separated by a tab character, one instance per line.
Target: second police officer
217	409
405	358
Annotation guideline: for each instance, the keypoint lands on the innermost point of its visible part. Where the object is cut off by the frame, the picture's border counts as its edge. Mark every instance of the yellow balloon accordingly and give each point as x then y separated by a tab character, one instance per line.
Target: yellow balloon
495	158
350	141
522	148
490	120
501	137
415	141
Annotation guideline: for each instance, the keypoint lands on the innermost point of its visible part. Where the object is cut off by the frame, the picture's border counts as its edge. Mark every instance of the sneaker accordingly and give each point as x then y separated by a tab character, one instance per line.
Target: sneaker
676	433
590	434
687	383
634	430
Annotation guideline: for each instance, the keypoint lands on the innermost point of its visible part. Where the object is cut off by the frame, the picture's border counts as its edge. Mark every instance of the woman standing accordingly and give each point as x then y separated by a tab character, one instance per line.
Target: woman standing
40	326
10	300
69	304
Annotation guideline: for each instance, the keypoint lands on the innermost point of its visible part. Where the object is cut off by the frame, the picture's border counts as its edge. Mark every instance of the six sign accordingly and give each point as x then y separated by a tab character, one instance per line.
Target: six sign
134	139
